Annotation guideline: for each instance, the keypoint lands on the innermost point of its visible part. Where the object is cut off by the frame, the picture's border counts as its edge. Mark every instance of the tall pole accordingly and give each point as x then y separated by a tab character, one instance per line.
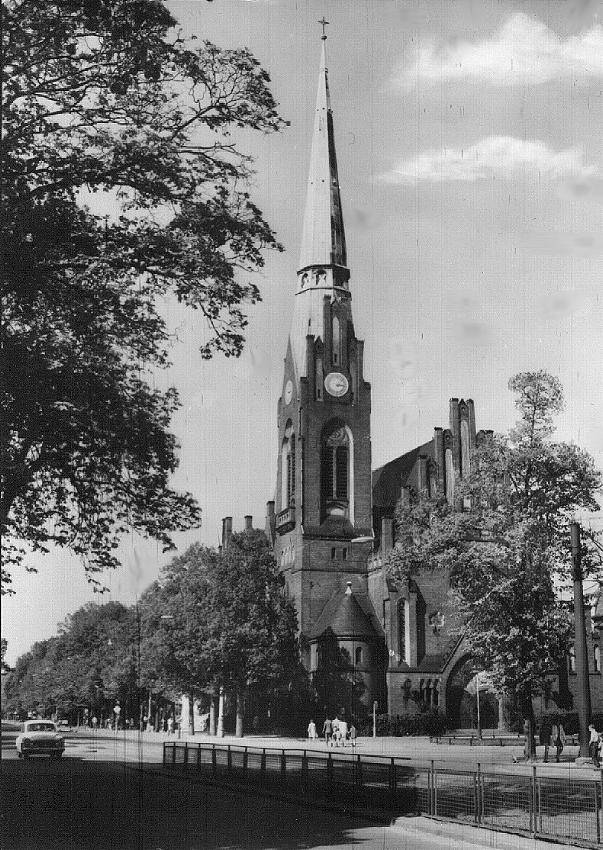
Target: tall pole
479	719
582	683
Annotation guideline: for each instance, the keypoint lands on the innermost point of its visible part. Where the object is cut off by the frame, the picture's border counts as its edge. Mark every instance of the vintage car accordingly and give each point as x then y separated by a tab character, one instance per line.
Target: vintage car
40	738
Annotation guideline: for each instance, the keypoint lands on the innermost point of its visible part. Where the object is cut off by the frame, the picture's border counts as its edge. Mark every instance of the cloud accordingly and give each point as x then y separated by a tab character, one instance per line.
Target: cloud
489	157
523	51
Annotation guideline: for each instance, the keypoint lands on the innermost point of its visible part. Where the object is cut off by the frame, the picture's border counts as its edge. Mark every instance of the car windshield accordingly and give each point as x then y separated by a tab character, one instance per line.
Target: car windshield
40	727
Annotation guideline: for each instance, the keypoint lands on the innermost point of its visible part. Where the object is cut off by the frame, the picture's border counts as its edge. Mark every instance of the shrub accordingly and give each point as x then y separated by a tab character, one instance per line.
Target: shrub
569	719
427	723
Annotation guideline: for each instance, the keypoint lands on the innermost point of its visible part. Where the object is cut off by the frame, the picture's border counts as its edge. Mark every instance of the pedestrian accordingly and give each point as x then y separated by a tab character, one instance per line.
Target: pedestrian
558	738
94	722
593	745
343	731
170	725
312	730
327	731
353	736
336	731
545	738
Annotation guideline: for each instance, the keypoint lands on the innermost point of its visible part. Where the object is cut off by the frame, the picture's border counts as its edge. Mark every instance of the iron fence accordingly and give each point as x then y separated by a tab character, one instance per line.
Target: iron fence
561	808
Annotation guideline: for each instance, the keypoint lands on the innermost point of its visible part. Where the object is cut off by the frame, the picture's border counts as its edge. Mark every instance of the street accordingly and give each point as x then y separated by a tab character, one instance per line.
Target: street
108	793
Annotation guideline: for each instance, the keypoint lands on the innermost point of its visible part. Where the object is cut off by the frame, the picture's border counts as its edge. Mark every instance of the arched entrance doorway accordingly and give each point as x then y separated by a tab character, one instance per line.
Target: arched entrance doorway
461	699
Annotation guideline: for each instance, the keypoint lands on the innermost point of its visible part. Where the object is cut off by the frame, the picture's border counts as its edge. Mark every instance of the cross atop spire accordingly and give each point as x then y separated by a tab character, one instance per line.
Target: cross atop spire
323	22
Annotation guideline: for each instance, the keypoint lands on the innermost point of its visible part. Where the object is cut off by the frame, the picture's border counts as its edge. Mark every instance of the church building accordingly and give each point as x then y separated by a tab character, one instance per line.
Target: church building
331	521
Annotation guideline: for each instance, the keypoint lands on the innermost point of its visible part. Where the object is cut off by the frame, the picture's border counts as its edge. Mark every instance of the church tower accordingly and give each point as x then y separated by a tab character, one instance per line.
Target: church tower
321	523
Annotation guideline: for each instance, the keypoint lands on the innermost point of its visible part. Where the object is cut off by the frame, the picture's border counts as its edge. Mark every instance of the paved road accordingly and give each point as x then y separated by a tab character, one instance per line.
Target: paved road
102	796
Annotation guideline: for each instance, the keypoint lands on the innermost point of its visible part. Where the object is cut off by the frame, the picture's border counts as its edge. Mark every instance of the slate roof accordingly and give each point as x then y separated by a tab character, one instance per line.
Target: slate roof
388	479
346	615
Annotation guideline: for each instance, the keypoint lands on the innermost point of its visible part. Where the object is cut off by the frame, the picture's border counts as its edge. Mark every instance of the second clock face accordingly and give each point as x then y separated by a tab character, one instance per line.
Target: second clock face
288	392
336	384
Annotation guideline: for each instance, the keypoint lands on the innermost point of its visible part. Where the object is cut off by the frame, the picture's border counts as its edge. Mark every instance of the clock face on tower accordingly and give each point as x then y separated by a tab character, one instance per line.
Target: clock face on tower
336	384
288	392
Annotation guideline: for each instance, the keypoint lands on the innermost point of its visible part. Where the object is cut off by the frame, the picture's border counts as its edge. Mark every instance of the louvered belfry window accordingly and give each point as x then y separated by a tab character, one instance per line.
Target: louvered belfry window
335	460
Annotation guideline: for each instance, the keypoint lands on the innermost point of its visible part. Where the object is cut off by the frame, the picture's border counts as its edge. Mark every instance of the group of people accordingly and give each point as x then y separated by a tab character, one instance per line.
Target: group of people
335	732
554	736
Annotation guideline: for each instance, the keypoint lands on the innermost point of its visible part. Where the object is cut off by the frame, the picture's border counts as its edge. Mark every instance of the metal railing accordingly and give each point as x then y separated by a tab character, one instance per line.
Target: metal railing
529	804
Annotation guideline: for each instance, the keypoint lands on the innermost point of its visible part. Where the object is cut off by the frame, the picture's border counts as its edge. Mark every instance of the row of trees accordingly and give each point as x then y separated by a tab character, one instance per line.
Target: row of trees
504	544
214	620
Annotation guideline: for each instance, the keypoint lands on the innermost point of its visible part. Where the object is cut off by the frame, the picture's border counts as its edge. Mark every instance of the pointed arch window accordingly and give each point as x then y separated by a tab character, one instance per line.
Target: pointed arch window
402	629
288	468
336	471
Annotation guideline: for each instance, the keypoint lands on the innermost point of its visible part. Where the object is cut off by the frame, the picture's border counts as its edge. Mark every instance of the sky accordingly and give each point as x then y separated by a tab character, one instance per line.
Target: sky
470	159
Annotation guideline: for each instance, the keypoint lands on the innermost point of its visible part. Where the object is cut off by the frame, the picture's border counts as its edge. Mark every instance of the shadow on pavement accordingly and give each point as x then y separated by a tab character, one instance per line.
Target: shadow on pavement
100	804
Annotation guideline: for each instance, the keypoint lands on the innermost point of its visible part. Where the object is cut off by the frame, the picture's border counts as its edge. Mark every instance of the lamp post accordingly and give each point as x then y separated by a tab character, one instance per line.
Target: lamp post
582	682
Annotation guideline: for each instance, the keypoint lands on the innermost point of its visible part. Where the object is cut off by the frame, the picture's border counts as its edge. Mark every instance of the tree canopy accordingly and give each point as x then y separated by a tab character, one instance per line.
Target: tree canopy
218	619
90	663
105	105
507	552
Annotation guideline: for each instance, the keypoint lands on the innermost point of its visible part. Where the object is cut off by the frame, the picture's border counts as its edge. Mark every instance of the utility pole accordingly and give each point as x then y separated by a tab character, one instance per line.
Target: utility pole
582	681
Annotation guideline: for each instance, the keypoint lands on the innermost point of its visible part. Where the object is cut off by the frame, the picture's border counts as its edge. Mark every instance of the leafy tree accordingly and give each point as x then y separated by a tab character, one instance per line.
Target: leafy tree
252	627
104	97
219	620
507	553
91	663
5	666
173	614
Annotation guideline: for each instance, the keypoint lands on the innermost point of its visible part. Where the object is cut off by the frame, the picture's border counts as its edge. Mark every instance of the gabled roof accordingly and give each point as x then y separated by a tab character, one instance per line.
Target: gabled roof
388	479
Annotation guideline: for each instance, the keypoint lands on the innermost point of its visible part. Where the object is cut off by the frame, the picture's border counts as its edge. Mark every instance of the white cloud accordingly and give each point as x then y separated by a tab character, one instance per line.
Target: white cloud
489	157
523	51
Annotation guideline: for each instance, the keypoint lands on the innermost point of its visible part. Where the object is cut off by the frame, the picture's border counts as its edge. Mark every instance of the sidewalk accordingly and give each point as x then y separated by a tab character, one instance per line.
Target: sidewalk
419	751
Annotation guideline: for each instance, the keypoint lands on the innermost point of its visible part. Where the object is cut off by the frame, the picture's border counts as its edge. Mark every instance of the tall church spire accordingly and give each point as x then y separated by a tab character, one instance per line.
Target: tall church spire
323	271
323	239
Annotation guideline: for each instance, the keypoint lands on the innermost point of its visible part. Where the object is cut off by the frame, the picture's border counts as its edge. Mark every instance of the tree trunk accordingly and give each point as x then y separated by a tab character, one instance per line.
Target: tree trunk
527	713
220	729
212	715
503	713
191	713
240	712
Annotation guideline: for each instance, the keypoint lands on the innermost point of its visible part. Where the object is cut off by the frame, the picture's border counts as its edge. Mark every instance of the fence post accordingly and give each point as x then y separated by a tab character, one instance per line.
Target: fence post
304	772
359	770
329	769
214	762
283	764
476	794
174	754
600	809
533	801
263	762
598	823
199	757
245	764
186	755
434	789
229	759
